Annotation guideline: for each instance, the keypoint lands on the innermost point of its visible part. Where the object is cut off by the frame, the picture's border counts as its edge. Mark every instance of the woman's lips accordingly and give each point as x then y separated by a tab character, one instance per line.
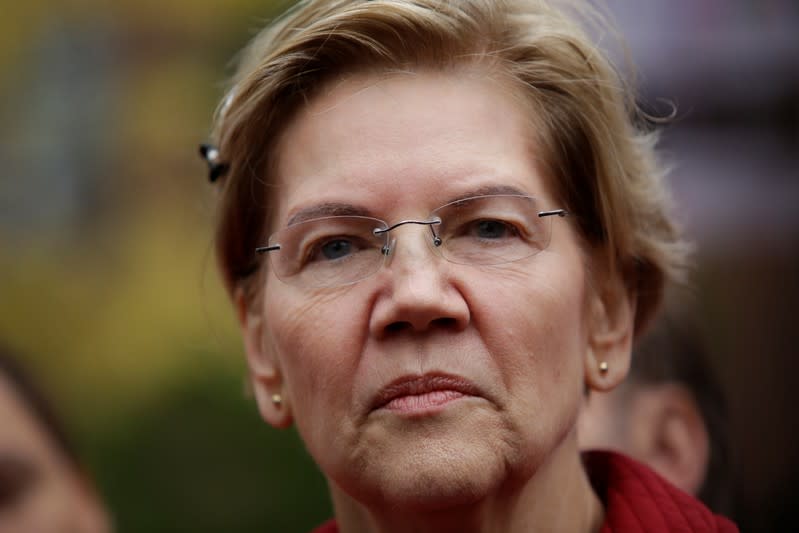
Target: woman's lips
422	402
415	394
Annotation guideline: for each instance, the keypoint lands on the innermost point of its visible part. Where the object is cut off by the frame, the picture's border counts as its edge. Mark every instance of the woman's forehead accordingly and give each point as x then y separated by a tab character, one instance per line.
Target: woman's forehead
425	137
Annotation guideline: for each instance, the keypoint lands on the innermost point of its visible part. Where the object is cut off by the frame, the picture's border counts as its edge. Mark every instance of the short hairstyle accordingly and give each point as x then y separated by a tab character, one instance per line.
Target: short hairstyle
591	145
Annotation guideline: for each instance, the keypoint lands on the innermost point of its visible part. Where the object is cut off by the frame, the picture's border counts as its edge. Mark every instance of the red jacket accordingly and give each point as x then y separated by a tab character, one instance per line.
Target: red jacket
637	500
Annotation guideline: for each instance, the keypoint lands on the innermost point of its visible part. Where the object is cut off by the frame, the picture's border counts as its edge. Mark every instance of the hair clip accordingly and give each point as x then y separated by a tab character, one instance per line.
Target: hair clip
216	169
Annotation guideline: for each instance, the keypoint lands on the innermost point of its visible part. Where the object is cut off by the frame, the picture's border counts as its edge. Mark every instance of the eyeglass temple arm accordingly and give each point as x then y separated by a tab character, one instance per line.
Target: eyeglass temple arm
264	249
555	212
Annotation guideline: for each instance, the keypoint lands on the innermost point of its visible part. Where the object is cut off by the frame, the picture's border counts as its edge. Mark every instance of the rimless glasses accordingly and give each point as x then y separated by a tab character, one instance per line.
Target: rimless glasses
340	250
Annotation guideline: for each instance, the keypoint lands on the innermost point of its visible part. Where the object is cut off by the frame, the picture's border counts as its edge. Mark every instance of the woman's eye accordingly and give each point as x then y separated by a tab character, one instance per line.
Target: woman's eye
333	248
17	476
492	229
336	249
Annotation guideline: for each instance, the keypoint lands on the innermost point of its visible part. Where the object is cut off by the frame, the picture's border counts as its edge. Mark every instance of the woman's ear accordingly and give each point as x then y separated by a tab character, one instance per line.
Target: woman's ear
611	318
266	377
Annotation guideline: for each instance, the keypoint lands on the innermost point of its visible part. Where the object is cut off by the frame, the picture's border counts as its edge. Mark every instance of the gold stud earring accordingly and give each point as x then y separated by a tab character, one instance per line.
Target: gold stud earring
277	400
604	367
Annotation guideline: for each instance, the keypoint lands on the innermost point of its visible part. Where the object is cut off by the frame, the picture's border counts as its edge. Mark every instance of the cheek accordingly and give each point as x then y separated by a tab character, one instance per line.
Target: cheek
317	340
545	301
534	315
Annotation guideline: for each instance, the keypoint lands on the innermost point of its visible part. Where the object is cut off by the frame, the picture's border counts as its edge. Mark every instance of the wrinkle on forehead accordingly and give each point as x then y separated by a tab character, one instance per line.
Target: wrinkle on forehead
338	100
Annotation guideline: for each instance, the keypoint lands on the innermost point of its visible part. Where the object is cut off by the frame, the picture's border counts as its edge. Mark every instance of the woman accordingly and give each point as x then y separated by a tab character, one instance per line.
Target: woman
440	228
43	486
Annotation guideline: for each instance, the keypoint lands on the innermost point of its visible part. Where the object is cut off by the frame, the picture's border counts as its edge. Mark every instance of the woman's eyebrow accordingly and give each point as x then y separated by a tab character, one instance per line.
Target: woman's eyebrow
331	209
488	190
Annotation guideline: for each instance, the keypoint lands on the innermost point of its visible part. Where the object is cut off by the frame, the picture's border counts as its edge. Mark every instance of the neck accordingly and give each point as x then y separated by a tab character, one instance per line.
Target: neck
558	497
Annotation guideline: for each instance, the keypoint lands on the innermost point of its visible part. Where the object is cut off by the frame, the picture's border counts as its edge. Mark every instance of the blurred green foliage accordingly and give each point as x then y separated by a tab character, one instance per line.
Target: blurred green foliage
203	461
117	304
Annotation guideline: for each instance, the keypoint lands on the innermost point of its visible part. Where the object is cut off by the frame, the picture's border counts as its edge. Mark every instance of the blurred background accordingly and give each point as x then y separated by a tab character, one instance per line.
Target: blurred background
107	279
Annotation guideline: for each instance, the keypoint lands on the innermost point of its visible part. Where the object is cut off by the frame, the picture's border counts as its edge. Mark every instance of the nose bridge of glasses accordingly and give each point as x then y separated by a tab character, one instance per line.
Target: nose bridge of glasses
430	223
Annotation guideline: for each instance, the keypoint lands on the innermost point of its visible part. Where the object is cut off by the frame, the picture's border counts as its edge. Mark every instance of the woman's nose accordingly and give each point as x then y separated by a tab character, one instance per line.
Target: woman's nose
418	293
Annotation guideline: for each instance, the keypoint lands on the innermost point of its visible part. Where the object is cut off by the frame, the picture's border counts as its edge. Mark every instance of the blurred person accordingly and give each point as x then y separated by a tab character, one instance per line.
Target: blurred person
44	488
669	413
439	225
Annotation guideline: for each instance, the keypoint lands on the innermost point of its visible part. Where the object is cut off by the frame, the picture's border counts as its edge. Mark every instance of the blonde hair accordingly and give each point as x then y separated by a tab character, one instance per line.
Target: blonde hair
601	163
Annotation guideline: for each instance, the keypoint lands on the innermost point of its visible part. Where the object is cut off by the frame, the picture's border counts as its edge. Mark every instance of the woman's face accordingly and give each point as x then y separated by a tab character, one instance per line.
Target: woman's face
484	364
39	488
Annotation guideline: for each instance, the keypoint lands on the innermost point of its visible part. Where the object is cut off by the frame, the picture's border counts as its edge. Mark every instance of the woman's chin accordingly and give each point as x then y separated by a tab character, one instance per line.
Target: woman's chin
430	476
434	492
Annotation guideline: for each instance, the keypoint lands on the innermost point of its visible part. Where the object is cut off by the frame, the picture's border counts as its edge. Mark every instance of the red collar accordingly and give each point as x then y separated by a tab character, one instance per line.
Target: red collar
637	500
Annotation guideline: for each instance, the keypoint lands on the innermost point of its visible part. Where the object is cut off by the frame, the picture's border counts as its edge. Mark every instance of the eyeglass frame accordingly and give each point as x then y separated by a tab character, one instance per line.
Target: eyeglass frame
386	248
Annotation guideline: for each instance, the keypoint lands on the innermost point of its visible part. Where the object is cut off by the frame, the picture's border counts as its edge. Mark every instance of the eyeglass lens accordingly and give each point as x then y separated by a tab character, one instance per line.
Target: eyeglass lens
339	250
